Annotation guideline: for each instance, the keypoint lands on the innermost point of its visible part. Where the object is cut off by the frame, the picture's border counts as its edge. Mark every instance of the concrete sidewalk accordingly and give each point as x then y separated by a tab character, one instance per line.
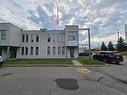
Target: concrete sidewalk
76	63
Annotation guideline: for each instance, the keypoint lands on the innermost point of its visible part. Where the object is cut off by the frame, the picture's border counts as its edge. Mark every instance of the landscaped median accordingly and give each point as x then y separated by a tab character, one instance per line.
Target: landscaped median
85	61
124	53
38	62
51	62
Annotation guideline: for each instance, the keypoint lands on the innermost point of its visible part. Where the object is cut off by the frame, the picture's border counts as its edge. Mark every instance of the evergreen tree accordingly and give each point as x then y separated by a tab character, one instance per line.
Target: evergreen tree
110	46
103	47
121	45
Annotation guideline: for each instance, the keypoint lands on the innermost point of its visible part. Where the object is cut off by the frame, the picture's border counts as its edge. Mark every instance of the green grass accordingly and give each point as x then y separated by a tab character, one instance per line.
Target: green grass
85	60
39	61
124	53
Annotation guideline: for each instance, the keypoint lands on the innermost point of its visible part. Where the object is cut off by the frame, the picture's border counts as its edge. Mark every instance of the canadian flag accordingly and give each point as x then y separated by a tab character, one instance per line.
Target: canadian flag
57	15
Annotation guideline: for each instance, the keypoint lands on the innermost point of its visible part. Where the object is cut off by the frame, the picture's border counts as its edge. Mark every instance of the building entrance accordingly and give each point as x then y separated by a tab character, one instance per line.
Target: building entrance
71	52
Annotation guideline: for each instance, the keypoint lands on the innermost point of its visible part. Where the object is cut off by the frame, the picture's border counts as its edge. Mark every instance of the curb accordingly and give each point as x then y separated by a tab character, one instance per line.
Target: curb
50	65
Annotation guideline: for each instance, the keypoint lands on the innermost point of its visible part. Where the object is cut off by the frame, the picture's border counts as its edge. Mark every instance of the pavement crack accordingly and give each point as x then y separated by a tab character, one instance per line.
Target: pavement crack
100	79
6	74
111	76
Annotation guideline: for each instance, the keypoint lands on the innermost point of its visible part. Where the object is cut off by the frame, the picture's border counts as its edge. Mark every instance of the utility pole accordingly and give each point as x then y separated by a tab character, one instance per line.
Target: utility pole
118	34
88	29
89	44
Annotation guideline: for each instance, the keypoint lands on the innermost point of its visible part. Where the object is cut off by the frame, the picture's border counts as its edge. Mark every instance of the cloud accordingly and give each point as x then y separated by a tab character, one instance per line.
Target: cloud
104	17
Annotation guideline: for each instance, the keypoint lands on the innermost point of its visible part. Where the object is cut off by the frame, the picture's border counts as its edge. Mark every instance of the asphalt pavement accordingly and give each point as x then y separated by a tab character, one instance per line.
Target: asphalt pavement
63	80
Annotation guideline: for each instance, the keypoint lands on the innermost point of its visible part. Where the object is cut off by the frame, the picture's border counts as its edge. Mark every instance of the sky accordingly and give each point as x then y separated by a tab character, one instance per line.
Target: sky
104	17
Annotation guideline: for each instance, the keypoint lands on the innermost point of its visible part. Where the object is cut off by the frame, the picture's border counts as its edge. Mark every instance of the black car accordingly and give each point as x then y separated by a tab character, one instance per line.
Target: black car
85	53
1	60
109	56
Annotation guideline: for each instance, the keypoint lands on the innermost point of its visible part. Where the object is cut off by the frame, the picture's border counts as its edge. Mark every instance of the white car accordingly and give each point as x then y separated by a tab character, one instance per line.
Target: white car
1	60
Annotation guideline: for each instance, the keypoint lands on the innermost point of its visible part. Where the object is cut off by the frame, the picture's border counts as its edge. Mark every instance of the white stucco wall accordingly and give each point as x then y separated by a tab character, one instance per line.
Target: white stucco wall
14	39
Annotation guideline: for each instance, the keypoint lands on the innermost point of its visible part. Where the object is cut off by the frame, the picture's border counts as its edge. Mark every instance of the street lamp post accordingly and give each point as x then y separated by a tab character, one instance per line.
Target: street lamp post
88	29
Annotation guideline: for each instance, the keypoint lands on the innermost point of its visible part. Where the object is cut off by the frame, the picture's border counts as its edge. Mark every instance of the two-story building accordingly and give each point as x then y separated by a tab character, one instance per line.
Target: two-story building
18	43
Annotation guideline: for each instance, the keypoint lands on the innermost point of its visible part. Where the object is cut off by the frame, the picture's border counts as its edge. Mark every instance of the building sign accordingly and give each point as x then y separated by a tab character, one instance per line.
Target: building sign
72	43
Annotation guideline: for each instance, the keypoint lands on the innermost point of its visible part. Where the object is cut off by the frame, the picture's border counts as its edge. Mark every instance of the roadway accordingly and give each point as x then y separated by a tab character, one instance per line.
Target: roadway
110	80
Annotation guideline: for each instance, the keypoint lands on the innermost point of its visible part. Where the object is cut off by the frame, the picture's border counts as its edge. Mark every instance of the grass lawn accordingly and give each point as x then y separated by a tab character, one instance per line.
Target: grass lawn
39	61
124	53
85	60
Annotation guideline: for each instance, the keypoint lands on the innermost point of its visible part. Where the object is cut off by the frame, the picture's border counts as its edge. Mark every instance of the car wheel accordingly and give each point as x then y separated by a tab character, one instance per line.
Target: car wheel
117	63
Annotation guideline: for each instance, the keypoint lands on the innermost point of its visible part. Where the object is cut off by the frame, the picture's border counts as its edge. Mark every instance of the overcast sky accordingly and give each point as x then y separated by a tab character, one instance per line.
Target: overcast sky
104	17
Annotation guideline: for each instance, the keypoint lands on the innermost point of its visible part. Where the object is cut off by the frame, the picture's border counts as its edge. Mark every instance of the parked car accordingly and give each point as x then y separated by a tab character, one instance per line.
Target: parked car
85	53
109	56
1	60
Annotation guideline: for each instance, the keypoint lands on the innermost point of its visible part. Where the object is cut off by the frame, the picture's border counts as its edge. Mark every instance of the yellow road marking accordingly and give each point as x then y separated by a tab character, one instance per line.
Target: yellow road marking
83	70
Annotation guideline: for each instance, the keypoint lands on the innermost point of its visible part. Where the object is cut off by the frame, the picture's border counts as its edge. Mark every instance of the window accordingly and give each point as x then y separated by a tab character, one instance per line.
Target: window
32	38
48	51
59	50
3	34
37	51
23	37
54	51
60	38
31	51
27	37
72	36
53	38
63	50
26	52
37	38
22	51
49	38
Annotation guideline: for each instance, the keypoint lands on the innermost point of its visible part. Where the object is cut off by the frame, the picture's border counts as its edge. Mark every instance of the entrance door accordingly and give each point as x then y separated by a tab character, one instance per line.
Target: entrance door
71	52
13	53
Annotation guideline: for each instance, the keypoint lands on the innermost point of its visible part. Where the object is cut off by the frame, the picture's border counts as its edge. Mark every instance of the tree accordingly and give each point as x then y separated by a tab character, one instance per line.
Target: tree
110	46
121	45
103	47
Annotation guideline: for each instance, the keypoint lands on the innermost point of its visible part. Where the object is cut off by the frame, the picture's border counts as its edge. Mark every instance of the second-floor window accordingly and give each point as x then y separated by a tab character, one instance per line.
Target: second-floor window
23	37
27	37
3	34
49	38
72	36
37	38
32	38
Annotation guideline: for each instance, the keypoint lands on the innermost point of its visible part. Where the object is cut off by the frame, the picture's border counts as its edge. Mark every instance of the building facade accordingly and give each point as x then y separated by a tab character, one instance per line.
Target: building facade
18	43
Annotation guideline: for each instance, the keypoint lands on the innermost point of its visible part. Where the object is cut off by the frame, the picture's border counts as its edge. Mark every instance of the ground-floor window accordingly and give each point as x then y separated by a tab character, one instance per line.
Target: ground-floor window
26	51
59	50
54	50
48	51
31	51
37	51
22	51
63	50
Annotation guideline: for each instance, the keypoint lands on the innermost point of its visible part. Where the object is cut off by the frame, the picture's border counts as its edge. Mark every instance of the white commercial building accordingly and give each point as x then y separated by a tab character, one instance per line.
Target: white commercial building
18	43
